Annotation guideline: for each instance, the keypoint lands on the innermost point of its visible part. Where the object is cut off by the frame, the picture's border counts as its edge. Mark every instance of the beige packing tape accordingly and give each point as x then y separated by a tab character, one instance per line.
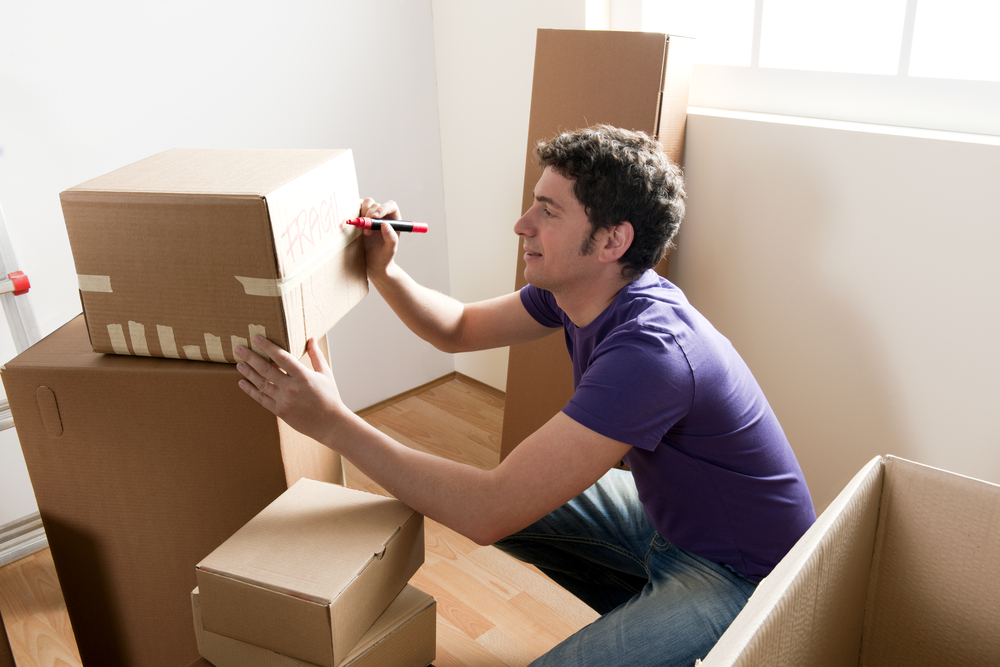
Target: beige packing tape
94	283
282	286
168	346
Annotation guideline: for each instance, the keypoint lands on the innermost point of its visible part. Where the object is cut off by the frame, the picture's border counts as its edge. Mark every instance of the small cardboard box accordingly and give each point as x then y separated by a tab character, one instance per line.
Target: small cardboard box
403	636
191	252
140	468
903	568
310	574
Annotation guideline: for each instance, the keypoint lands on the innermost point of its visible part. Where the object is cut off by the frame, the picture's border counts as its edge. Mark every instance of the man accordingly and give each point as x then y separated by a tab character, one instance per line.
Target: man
669	552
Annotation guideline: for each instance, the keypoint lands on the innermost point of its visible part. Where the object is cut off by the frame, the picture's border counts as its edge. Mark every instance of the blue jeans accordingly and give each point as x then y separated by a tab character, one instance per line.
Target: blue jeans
659	604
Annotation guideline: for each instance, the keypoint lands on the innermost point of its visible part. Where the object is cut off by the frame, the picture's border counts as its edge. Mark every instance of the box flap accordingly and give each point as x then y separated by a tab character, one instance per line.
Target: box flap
933	597
810	609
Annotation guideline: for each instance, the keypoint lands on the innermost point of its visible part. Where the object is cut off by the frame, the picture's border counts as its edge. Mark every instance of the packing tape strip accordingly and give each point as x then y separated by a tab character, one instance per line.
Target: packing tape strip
118	343
282	286
93	283
214	346
137	333
168	346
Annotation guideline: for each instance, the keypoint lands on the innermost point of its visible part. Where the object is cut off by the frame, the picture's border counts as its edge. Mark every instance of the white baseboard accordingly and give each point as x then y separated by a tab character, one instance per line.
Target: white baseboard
21	538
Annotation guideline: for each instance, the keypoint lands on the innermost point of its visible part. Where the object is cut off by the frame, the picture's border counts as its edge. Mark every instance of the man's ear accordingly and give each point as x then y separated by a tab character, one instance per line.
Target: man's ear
618	240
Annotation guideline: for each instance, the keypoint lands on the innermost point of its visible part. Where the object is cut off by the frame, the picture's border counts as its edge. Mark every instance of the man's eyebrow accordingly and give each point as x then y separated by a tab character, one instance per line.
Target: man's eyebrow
547	200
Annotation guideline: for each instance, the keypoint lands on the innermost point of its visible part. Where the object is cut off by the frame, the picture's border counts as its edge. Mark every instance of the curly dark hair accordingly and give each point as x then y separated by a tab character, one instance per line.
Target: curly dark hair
621	175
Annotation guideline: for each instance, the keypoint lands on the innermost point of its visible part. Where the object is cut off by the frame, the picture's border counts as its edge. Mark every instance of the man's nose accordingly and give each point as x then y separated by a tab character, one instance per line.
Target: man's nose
523	225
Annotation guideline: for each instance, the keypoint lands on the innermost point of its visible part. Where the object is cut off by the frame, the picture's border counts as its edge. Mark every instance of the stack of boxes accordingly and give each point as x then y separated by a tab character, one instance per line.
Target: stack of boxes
143	457
318	578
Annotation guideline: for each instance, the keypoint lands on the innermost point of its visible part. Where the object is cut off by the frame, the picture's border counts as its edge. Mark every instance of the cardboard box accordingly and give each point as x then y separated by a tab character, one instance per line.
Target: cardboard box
6	657
191	252
903	568
635	80
310	574
403	636
140	467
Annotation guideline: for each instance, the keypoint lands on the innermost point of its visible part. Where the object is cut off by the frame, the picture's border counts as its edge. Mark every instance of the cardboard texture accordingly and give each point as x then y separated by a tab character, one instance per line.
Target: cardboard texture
191	252
310	574
403	636
6	657
901	569
140	467
634	80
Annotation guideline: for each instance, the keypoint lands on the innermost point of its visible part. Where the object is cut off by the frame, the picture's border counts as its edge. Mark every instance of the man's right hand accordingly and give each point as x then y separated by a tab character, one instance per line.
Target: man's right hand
380	246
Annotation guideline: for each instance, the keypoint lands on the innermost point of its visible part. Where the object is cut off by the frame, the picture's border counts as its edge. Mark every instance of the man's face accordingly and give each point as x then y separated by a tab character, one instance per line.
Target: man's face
556	235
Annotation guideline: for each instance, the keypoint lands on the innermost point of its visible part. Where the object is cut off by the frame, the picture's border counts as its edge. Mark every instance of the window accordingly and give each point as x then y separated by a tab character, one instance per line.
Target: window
915	63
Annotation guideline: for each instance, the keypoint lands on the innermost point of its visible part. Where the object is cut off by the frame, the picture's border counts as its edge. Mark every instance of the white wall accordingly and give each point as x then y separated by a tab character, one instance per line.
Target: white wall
485	61
86	88
855	270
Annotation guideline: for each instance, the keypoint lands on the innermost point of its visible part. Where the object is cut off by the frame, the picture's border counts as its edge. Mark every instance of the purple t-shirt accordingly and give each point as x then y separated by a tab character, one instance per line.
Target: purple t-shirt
714	470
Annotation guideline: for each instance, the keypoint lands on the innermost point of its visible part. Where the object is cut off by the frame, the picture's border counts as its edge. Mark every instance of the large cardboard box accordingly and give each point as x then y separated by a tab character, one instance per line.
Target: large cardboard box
6	657
140	467
635	80
902	569
403	636
310	574
191	252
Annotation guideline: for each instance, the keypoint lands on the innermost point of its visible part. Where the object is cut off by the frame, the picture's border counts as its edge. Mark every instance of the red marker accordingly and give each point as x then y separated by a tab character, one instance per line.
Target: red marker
398	225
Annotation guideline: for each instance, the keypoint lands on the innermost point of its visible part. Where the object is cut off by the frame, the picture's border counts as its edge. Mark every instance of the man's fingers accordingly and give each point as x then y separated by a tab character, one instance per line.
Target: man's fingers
251	390
281	361
372	209
319	362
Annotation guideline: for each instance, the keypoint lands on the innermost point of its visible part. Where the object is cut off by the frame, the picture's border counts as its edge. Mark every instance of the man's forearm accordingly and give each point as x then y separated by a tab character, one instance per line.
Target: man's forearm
433	316
459	496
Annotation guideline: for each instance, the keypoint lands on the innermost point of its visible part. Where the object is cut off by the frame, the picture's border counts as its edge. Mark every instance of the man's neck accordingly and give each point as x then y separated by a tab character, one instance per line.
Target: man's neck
584	304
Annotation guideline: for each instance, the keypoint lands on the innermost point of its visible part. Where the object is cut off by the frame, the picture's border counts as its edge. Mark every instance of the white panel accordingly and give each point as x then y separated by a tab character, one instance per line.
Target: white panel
855	271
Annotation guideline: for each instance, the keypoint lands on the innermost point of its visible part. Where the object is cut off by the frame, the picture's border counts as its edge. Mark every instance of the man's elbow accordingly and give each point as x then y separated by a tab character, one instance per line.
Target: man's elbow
486	532
487	536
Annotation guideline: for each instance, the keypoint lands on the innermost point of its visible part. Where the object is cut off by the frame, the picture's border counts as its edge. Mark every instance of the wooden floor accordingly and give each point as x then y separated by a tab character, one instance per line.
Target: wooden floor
492	611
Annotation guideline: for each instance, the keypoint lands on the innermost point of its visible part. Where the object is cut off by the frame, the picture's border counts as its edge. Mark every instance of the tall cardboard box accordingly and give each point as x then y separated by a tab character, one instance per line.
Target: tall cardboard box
403	636
902	569
141	467
635	80
311	573
191	252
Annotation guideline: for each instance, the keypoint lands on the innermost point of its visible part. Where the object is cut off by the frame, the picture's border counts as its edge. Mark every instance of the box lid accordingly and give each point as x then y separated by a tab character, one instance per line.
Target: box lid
312	541
222	171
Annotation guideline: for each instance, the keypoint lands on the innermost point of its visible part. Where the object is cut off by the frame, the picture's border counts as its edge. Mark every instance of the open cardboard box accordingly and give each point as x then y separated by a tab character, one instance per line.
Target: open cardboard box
140	467
903	568
191	252
403	636
312	572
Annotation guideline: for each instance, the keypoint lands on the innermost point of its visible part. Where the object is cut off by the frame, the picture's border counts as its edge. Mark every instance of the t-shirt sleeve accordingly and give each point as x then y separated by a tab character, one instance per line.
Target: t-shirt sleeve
541	305
638	386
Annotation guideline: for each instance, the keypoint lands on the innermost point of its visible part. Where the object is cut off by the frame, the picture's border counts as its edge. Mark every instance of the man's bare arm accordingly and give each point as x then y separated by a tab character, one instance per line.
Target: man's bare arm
441	320
552	466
